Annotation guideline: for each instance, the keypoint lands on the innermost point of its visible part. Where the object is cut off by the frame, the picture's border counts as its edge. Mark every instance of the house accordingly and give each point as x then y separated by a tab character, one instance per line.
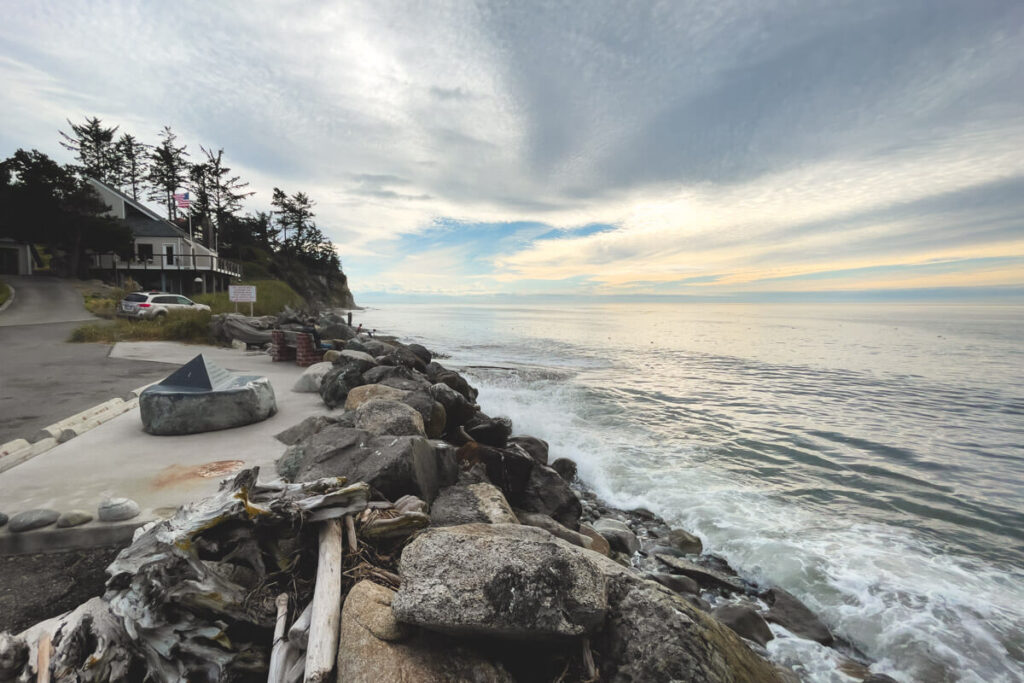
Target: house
164	256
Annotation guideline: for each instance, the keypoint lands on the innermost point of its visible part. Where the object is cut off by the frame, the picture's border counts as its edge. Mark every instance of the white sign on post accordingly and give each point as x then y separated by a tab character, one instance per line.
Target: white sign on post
242	293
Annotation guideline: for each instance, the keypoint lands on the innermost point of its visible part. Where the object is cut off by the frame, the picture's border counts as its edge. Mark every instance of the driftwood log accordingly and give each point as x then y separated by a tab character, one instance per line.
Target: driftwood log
325	620
193	597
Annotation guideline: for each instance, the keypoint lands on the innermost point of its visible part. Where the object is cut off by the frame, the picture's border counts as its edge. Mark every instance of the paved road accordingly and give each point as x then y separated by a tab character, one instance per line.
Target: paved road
44	379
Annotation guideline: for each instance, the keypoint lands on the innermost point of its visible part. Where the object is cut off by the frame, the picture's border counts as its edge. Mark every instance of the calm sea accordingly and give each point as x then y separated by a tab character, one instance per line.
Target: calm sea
867	458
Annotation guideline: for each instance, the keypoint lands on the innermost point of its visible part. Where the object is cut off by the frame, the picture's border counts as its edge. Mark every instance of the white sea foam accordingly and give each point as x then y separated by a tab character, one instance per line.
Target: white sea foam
920	613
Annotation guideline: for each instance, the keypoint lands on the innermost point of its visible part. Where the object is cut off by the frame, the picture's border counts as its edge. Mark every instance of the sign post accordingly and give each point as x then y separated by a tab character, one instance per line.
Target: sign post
242	293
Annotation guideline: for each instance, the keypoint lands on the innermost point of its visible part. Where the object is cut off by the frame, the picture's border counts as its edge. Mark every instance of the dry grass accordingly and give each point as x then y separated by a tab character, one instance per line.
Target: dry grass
191	327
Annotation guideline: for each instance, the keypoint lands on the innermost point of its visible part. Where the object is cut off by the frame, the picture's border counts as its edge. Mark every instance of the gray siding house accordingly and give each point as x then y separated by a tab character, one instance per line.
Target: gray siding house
163	255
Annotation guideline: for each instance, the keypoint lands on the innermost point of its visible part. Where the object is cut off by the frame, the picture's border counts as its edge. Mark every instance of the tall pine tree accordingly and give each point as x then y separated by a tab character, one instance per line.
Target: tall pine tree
132	165
168	170
94	148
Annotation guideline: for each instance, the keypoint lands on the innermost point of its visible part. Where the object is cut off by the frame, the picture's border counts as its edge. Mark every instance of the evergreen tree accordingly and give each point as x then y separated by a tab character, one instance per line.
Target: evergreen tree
133	165
222	193
168	170
94	147
46	203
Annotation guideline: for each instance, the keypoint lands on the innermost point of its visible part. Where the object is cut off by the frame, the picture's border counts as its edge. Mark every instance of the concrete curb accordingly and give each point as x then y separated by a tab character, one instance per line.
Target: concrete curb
10	299
15	452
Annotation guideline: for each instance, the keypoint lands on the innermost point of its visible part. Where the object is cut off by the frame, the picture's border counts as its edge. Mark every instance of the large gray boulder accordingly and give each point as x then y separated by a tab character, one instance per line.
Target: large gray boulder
203	397
705	576
309	381
383	416
537	448
377	647
470	503
394	465
432	412
360	395
618	534
542	521
502	580
653	635
786	610
745	621
549	494
458	409
338	382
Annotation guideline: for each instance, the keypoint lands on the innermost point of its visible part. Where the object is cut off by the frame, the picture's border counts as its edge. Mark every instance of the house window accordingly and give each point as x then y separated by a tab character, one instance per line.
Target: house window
145	252
169	253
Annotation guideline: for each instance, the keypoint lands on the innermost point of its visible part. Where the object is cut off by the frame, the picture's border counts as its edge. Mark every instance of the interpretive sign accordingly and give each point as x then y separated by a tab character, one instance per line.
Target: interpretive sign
242	293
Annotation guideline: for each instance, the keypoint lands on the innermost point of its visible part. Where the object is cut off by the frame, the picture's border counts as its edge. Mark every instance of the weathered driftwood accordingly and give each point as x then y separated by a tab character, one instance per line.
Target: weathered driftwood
279	649
588	661
381	524
326	618
192	598
350	533
298	634
13	656
43	661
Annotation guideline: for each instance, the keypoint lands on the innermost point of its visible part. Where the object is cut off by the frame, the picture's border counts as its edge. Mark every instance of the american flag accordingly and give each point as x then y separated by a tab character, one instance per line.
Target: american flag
182	200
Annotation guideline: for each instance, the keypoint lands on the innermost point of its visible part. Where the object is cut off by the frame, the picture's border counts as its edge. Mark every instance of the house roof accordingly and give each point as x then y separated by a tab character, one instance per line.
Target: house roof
149	223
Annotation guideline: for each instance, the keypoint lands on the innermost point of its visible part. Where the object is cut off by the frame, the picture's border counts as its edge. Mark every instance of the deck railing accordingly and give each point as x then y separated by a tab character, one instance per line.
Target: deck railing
177	262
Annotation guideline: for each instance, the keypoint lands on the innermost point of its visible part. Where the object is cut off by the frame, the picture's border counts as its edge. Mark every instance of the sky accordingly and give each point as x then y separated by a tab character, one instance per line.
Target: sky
735	149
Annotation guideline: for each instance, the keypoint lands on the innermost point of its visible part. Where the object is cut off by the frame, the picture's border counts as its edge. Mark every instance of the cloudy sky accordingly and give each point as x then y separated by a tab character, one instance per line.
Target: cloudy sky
734	148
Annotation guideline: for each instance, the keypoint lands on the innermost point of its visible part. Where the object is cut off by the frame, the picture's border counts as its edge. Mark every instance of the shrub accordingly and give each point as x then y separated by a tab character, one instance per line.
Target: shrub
192	327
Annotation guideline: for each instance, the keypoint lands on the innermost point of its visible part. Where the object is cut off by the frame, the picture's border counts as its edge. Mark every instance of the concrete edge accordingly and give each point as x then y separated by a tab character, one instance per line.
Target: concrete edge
10	299
51	539
18	451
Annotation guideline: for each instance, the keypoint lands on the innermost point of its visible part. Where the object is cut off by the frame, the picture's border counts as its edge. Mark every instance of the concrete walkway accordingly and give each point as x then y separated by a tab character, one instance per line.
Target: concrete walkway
159	472
43	299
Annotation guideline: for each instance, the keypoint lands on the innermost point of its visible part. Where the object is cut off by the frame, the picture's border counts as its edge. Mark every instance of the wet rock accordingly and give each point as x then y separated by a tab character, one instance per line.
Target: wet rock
457	408
471	503
677	583
376	348
492	431
537	448
458	383
786	610
658	549
507	468
565	467
879	678
652	634
386	372
394	465
309	381
381	416
338	382
406	358
377	647
432	412
745	621
73	518
434	369
620	537
599	544
32	519
685	542
706	577
415	383
360	395
421	352
499	580
546	492
117	509
544	522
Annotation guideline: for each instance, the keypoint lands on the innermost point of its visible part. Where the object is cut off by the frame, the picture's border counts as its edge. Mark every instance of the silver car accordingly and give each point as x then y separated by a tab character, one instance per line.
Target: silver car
146	305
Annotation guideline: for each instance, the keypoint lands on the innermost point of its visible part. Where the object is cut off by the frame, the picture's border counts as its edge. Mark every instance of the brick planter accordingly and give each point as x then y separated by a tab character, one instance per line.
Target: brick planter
305	352
280	351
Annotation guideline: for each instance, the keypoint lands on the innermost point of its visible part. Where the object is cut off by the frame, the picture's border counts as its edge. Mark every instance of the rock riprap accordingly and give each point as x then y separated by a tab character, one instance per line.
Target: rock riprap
33	519
201	396
503	580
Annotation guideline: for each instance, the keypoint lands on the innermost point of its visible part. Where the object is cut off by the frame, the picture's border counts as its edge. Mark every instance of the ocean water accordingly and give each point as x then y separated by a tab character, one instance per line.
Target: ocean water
869	459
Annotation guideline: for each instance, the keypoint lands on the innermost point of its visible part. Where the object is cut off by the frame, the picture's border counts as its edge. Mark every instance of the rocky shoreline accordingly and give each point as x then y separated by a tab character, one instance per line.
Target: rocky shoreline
470	553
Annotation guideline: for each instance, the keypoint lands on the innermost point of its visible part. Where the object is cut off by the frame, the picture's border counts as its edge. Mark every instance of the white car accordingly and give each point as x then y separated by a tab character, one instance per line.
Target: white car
147	305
